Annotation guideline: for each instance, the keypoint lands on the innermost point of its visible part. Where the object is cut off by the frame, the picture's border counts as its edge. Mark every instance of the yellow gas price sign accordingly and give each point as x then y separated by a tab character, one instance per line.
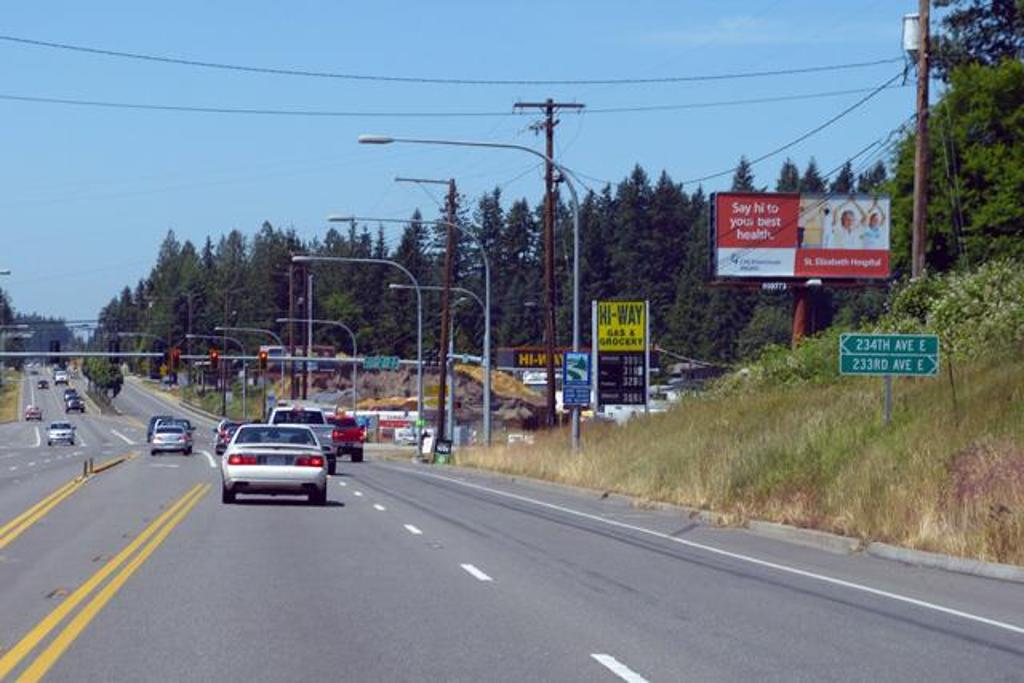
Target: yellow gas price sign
621	326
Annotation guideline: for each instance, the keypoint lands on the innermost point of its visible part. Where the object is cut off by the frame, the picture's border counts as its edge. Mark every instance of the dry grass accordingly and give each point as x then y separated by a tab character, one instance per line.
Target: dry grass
938	479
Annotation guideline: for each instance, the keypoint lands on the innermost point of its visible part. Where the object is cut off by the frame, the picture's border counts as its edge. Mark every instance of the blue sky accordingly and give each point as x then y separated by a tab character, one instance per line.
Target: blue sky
86	195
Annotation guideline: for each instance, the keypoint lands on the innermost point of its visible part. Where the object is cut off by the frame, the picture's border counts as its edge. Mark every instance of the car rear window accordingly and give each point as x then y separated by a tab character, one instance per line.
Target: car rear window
275	435
60	425
345	422
299	417
170	429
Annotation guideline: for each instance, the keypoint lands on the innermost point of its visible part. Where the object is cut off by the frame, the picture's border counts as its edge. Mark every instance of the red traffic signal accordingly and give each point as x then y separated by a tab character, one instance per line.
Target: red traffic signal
175	358
214	356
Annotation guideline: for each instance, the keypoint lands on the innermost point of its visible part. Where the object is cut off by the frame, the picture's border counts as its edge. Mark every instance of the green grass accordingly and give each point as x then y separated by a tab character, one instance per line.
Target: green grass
211	401
9	398
817	455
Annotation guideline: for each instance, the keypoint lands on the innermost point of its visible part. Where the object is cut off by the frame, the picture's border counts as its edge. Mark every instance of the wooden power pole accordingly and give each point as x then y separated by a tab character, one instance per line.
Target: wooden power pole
449	266
917	255
550	107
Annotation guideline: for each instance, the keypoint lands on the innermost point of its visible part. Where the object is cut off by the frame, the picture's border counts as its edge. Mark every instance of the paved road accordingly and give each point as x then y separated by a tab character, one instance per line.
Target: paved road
414	573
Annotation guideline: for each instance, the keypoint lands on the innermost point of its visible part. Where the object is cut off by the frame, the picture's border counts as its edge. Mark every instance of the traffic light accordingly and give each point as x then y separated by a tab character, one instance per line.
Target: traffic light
262	357
175	358
214	356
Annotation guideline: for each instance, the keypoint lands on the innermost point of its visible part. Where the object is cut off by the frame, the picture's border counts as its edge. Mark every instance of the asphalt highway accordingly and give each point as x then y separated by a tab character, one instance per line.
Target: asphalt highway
419	573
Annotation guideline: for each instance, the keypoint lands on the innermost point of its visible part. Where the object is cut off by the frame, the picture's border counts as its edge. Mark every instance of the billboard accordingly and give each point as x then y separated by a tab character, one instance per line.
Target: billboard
788	235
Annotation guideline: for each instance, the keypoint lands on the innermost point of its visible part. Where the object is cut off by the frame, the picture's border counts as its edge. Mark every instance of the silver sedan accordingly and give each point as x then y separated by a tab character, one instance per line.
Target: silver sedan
274	459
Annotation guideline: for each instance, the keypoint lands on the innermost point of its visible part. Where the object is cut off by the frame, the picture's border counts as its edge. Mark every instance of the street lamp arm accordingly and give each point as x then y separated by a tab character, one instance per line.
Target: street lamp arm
253	330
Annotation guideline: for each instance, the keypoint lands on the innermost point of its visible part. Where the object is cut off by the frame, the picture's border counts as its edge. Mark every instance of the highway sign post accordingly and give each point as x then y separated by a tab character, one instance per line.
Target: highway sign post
576	379
889	355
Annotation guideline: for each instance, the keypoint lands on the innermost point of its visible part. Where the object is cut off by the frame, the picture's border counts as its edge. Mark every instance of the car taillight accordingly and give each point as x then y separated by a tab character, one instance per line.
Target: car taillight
238	459
309	461
337	435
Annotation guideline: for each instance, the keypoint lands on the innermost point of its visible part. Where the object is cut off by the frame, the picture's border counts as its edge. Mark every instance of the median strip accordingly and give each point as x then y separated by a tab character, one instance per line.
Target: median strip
150	538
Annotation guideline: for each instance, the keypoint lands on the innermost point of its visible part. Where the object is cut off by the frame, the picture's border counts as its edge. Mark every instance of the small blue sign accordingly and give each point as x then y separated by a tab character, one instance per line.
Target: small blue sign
576	370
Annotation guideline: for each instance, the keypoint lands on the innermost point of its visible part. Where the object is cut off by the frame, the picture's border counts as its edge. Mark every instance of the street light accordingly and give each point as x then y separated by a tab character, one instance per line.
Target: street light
263	378
567	175
419	315
486	304
485	357
224	388
355	351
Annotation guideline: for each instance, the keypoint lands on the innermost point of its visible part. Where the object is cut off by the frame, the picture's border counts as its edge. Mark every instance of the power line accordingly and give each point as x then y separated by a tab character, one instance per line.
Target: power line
804	136
327	113
306	73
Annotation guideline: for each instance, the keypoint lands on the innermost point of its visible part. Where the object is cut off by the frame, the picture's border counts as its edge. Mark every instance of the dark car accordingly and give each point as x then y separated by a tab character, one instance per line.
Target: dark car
223	433
74	405
70	394
42	384
152	424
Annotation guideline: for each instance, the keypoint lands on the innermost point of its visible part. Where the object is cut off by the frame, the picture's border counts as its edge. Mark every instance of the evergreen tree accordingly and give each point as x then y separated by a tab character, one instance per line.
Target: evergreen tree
873	179
984	32
844	182
789	177
811	181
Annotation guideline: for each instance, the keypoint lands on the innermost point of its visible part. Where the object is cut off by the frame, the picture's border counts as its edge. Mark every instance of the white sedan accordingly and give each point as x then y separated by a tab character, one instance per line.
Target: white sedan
274	459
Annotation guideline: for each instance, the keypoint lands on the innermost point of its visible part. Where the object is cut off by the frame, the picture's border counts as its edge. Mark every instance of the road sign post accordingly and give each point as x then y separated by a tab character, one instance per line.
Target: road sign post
889	355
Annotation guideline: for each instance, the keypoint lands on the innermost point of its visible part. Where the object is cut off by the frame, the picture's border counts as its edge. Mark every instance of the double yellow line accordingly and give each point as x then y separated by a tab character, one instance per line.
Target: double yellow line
17	526
121	566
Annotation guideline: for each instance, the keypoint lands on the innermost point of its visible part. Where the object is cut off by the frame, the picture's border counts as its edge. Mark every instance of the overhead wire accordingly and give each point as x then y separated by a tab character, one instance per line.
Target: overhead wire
813	131
350	76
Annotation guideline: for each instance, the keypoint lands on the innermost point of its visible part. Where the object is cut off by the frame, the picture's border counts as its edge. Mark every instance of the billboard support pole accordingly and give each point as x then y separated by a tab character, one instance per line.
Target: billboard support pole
647	357
801	304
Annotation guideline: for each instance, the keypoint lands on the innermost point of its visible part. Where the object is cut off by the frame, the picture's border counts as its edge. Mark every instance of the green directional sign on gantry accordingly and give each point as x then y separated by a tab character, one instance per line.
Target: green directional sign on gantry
912	355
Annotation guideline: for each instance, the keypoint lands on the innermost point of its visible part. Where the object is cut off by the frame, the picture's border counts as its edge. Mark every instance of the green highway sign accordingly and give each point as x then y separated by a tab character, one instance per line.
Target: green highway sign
380	363
912	355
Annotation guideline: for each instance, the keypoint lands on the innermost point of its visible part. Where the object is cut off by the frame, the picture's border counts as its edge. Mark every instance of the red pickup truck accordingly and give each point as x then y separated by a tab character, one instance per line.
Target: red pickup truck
348	437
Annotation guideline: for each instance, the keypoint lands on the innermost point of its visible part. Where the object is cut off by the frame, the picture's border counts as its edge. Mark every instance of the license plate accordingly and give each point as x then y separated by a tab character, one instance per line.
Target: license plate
277	460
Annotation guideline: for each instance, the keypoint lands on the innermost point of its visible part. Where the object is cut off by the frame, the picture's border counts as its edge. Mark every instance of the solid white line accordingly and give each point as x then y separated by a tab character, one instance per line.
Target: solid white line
619	669
413	530
39	439
475	573
1013	628
122	437
379	507
358	493
209	458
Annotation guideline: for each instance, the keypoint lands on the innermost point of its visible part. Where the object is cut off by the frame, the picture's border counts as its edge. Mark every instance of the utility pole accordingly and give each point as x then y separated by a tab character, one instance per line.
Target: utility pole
550	107
449	266
291	331
309	334
917	256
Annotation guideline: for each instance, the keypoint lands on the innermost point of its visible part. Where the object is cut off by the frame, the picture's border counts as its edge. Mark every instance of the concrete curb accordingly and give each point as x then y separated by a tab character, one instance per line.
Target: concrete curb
822	540
950	563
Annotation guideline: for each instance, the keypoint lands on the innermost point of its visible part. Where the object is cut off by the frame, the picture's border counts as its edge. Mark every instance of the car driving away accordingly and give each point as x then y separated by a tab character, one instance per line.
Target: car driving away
170	437
223	433
74	405
274	460
153	421
316	420
60	432
347	437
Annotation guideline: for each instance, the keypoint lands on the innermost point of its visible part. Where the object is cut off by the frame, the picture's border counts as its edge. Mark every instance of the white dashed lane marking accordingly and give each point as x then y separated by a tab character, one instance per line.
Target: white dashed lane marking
413	530
618	668
358	493
378	507
475	573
